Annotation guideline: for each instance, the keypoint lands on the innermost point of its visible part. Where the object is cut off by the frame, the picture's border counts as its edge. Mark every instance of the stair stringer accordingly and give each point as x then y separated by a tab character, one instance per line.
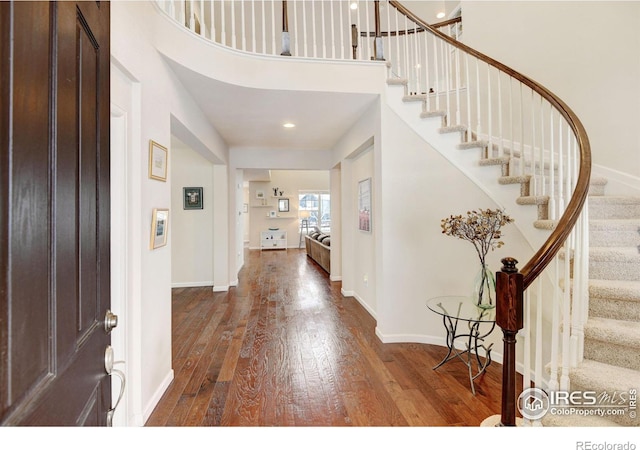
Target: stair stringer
467	161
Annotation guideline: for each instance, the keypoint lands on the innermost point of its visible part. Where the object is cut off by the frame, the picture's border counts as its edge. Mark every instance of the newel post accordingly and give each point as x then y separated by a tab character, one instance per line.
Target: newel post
509	317
286	43
377	43
354	40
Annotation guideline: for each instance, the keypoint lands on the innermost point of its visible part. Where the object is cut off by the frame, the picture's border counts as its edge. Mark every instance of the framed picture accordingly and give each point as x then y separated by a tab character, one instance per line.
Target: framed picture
158	161
159	228
192	198
283	205
364	205
259	194
245	207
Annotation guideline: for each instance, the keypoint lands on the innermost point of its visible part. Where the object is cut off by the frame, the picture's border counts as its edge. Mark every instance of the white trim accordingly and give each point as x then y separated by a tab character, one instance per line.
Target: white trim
335	278
432	340
192	284
365	305
618	183
157	395
220	288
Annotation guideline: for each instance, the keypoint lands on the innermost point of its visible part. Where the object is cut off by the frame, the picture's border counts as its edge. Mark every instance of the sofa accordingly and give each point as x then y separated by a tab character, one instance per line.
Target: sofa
318	247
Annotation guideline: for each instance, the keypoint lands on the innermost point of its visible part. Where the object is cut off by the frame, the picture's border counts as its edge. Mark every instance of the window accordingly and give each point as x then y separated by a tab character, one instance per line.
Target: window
318	206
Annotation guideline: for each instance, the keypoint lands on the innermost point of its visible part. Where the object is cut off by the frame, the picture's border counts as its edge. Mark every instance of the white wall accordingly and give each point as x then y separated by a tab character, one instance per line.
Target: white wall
587	52
191	230
165	108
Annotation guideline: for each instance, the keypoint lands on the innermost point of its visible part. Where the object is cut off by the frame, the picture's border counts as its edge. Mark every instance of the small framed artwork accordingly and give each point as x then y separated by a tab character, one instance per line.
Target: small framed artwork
159	228
283	205
272	214
259	194
158	161
364	205
192	198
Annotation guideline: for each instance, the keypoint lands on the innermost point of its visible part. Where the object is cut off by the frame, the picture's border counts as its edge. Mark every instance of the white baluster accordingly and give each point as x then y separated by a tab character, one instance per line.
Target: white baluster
192	15
234	38
367	40
253	27
264	29
295	28
304	27
244	26
552	164
343	25
566	319
213	20
273	28
324	26
561	160
427	68
543	172
398	54
446	63
538	354
469	122
223	32
500	129
478	100
554	384
533	146
457	70
313	28
523	154
202	22
489	114
528	342
416	59
333	32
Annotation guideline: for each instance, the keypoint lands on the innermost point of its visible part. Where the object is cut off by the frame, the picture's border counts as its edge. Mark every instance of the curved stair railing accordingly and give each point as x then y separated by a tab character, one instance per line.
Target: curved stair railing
510	120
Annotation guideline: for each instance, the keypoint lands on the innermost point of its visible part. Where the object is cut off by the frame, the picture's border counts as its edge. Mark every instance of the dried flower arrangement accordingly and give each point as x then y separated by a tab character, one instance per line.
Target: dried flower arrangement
483	229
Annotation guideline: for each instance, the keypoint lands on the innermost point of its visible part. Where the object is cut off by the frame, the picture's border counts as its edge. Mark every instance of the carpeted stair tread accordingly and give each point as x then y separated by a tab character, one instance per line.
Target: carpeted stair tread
614	207
614	263
397	81
614	232
618	289
600	377
545	224
604	378
472	144
619	332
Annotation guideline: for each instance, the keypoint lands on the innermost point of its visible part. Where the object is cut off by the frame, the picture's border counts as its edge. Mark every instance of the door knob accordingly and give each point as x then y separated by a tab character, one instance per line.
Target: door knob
110	321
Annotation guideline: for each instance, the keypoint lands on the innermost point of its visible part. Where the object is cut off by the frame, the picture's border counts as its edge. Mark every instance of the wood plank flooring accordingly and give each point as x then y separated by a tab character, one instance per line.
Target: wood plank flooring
285	348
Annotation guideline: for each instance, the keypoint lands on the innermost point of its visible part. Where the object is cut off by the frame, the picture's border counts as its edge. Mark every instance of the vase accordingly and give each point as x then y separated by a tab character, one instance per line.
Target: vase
484	288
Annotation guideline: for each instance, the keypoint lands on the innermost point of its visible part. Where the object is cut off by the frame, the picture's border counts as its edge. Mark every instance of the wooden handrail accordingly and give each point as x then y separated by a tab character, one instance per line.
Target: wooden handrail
410	30
511	284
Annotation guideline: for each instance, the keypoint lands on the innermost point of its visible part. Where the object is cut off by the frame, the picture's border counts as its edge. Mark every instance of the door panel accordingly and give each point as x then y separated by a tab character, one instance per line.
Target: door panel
54	208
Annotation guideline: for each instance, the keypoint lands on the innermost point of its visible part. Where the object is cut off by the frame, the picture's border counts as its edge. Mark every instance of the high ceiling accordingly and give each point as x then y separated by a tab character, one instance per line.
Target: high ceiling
254	118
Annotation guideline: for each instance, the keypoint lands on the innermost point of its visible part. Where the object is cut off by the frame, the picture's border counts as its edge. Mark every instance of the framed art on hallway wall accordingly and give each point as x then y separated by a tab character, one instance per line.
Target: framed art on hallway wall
364	205
159	228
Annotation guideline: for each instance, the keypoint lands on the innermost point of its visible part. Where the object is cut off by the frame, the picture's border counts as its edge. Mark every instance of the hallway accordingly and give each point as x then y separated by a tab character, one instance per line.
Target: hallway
285	348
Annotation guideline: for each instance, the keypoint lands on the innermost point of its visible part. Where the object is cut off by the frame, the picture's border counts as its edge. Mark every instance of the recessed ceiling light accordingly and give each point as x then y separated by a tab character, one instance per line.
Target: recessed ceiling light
289	125
440	15
354	5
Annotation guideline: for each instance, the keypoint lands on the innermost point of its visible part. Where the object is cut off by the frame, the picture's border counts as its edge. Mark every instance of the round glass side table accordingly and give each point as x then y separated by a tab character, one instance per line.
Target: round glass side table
456	309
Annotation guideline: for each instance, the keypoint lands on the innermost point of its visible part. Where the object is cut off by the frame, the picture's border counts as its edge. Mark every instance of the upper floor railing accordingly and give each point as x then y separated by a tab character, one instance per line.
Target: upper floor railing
513	121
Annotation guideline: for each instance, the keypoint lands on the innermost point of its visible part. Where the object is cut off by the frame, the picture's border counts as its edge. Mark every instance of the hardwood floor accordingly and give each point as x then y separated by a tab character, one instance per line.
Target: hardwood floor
285	348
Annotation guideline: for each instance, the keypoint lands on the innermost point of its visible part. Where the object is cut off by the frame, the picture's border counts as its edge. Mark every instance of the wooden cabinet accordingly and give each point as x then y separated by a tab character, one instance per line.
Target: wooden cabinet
273	240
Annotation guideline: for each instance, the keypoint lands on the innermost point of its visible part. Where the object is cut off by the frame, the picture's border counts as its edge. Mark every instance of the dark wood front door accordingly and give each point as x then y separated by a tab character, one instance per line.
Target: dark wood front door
54	212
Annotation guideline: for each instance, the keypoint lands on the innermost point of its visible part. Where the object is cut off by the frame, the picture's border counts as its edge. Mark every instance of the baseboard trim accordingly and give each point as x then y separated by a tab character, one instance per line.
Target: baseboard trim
220	288
157	395
335	278
618	183
192	284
